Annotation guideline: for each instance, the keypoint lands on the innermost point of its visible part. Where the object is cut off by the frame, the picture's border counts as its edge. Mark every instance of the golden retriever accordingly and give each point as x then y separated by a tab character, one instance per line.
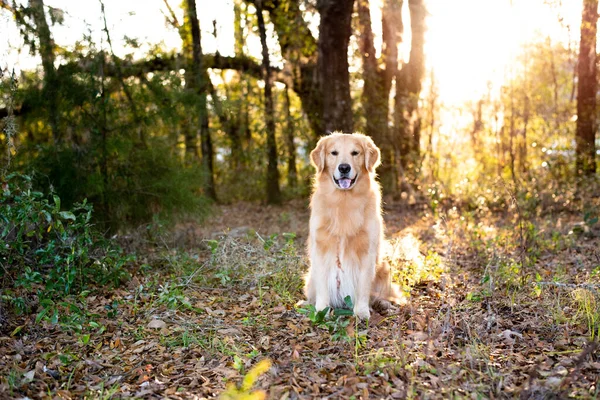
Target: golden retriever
346	227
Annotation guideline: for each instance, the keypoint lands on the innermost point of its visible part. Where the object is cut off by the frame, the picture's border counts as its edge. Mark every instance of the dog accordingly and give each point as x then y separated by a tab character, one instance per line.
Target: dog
346	229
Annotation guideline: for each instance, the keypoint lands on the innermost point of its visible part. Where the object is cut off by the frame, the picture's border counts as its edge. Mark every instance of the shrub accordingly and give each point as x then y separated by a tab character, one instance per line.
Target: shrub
49	251
131	189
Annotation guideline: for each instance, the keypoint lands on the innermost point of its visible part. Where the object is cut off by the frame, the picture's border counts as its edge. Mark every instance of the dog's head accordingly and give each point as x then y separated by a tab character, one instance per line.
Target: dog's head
345	157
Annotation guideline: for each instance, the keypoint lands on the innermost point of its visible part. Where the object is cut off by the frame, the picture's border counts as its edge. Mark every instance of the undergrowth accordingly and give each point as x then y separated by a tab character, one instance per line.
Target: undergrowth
49	255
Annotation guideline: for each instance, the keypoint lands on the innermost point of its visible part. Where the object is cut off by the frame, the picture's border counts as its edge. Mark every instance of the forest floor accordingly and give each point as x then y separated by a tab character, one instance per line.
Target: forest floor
207	303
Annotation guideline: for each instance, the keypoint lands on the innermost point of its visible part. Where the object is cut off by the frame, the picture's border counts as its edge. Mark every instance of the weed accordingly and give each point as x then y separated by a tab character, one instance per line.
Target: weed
335	322
588	309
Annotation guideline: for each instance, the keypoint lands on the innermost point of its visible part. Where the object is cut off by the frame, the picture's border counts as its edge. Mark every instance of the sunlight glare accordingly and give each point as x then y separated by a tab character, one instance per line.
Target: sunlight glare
470	44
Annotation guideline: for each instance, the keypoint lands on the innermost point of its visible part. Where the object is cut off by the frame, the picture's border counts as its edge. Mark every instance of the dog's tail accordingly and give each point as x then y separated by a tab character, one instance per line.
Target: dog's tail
384	288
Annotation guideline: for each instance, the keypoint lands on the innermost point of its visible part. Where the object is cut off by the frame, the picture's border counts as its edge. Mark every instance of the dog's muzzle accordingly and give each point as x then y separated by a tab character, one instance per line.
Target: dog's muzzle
344	181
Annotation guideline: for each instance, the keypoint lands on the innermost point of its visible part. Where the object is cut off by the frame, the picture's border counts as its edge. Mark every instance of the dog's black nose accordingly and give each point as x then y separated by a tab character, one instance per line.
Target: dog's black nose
344	168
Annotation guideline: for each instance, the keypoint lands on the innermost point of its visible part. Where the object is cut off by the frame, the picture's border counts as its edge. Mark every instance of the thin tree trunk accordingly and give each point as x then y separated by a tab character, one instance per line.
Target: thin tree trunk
272	184
374	98
201	78
332	65
50	77
585	135
432	103
393	30
512	133
378	82
523	142
292	173
408	89
104	137
230	125
134	110
555	86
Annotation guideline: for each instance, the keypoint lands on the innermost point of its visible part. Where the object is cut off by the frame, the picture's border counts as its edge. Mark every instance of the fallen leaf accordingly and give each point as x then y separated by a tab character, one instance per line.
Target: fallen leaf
157	324
28	376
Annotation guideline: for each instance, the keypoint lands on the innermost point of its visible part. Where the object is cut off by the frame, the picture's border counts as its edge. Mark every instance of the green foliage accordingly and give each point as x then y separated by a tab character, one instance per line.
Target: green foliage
588	309
137	185
50	251
336	322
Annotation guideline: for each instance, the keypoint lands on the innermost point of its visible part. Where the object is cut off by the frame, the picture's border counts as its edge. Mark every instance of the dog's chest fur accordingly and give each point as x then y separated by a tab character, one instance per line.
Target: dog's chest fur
341	232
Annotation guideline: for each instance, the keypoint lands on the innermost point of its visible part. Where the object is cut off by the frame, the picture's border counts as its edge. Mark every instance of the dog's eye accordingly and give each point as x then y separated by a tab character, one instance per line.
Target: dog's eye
354	153
334	153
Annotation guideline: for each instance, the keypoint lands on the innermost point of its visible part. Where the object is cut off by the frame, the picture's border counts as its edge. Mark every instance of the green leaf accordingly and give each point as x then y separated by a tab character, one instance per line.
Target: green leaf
348	302
342	311
41	315
56	202
17	330
320	316
85	339
47	215
67	215
238	363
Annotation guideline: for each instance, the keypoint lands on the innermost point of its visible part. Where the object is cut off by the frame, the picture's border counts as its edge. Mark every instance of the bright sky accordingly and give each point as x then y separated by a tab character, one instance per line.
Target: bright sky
468	42
471	42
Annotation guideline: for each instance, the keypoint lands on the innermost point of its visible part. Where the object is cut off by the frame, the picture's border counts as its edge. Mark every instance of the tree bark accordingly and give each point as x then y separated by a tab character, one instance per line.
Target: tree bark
585	135
378	82
200	75
272	184
374	101
408	89
50	77
292	172
332	65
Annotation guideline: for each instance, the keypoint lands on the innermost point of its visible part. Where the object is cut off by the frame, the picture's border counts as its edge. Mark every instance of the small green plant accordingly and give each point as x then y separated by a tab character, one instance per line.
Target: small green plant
336	322
588	309
174	298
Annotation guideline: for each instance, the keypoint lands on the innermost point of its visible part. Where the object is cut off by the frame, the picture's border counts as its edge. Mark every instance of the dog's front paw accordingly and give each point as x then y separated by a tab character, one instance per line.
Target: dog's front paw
362	311
321	305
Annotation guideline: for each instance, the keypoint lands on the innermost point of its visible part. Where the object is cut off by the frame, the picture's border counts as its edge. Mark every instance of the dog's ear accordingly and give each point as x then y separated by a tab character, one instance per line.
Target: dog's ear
317	156
372	154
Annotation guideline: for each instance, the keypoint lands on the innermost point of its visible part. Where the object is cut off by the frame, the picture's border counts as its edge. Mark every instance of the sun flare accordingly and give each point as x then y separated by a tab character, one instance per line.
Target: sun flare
470	45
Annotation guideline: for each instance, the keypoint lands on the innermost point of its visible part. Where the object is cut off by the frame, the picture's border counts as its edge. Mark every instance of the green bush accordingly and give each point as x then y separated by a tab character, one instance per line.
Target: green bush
51	252
135	186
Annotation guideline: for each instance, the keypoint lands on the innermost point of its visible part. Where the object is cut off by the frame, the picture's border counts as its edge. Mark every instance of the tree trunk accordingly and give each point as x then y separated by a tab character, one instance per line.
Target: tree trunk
408	89
585	135
272	186
378	82
50	77
332	65
292	173
523	142
200	82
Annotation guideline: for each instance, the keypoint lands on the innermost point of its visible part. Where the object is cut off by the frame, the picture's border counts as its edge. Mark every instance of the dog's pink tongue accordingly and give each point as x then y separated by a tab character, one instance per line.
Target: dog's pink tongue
345	183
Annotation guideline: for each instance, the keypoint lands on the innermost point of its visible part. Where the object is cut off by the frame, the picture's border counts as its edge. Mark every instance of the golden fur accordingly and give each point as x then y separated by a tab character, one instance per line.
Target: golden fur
346	227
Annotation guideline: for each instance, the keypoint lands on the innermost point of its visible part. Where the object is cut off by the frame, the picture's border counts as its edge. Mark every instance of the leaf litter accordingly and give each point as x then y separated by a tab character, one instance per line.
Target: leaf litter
186	327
